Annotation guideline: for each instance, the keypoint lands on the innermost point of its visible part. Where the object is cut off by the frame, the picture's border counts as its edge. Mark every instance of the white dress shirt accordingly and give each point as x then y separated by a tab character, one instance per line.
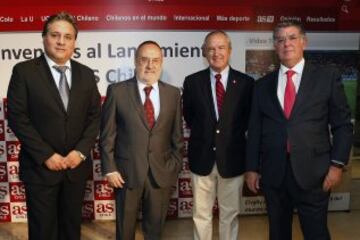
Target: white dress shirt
298	69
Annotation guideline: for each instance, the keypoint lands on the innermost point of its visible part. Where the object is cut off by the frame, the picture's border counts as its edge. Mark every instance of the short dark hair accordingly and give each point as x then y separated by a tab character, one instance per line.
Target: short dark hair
206	39
290	23
61	16
148	42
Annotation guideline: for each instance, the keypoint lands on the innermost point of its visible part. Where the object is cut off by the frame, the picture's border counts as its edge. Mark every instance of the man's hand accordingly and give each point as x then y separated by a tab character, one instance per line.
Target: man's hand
333	178
115	180
55	163
253	181
73	159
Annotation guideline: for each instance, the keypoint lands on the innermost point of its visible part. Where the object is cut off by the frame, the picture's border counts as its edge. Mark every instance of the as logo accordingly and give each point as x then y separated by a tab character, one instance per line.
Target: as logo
18	212
4	192
185	205
17	192
185	187
13	171
3	172
13	149
103	191
5	212
105	208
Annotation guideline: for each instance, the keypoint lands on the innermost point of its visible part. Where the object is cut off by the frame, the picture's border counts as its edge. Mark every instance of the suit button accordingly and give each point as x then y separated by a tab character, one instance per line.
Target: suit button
214	148
217	131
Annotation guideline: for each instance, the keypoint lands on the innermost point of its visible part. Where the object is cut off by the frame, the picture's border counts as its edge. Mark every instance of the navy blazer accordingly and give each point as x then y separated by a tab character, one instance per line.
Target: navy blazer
223	141
320	103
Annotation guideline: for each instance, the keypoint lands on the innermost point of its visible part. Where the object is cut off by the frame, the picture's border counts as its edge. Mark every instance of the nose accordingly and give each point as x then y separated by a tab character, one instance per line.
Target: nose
61	40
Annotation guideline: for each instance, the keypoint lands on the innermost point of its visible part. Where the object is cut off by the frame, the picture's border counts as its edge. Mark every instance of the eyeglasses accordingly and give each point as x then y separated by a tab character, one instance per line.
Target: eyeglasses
290	38
145	61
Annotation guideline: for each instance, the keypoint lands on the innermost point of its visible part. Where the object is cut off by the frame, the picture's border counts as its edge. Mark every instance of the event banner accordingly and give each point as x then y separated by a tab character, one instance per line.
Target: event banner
110	31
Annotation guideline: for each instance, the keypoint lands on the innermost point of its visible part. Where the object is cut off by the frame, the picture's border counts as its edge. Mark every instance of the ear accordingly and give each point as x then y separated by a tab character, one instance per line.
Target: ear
305	39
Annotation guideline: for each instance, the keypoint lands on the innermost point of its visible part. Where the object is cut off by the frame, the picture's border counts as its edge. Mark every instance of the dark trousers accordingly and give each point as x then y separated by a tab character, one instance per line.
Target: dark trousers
54	212
154	202
312	207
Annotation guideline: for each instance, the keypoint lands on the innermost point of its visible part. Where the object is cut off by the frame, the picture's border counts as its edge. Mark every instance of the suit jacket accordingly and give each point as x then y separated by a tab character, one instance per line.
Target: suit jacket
38	118
223	141
320	103
127	143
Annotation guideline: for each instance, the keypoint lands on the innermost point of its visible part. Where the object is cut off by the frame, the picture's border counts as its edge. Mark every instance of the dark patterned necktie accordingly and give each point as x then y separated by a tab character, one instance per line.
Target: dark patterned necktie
220	93
64	89
149	108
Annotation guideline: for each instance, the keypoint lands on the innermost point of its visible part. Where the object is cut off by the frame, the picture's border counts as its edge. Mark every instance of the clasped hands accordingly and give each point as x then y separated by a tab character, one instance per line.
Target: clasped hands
57	162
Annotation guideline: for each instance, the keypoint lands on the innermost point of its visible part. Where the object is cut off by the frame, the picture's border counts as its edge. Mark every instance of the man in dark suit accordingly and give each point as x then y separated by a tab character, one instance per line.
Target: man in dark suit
141	144
216	109
56	117
289	142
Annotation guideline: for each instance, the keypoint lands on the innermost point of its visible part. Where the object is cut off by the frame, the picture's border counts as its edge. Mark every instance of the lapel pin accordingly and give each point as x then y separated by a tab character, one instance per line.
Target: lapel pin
234	81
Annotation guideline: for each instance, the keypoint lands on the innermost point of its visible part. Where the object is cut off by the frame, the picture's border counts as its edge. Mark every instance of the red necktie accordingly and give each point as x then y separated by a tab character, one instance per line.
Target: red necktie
220	93
148	107
290	94
289	99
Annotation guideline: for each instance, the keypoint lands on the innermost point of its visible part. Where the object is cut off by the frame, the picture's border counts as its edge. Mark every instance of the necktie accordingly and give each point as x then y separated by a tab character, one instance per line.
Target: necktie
289	99
220	93
149	108
290	94
64	89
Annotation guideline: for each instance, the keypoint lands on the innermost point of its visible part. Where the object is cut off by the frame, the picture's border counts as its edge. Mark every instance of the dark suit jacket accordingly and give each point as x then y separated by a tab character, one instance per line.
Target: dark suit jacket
130	147
320	102
223	141
38	118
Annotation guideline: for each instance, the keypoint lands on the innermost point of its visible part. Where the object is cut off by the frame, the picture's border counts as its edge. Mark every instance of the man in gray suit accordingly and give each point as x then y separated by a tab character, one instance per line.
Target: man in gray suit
141	144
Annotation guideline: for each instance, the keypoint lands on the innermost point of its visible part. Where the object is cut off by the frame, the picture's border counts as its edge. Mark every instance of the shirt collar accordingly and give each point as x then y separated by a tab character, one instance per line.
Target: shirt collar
298	68
223	73
142	85
52	63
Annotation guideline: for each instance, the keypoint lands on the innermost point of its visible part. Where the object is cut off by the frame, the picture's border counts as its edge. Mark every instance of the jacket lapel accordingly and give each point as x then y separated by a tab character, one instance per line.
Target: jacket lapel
49	82
232	94
306	84
75	86
273	92
207	93
136	100
164	99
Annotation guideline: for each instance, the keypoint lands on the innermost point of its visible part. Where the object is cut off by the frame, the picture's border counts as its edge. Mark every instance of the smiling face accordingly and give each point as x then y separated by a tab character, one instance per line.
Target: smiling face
289	45
148	63
59	41
217	51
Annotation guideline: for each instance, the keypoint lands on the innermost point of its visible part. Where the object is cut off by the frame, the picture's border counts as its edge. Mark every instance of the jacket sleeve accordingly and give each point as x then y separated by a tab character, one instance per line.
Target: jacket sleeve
340	121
